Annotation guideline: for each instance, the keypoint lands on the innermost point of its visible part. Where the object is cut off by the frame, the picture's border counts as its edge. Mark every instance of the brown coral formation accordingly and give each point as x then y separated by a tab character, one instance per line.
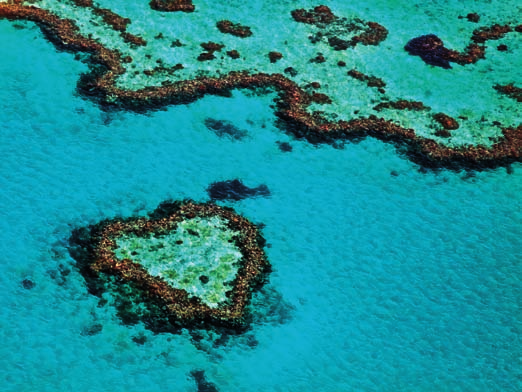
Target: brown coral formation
133	39
114	20
472	17
431	49
233	54
510	90
169	308
371	81
320	98
210	48
172	5
83	3
227	27
443	133
291	103
447	122
275	56
333	29
320	15
318	59
164	70
372	35
206	56
483	34
401	104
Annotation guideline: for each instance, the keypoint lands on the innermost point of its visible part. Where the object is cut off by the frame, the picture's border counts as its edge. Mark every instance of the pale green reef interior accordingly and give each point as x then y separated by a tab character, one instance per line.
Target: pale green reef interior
197	247
464	91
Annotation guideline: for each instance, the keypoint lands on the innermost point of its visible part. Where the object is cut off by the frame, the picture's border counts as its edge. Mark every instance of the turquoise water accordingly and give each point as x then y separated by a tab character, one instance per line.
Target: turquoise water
386	277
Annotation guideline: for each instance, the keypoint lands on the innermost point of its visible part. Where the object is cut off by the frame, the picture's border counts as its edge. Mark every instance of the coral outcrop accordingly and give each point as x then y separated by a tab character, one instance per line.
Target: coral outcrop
187	265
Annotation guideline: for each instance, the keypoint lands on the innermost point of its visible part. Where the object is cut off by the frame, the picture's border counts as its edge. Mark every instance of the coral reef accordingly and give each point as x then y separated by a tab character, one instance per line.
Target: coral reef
227	27
371	81
320	15
210	47
447	122
431	49
114	20
292	100
340	33
510	90
172	5
401	104
186	266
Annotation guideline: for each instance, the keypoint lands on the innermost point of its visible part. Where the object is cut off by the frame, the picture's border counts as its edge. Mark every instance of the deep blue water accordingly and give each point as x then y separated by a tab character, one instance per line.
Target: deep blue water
385	281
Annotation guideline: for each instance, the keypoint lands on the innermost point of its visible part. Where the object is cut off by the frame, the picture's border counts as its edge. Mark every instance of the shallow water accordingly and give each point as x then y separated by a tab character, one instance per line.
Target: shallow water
386	277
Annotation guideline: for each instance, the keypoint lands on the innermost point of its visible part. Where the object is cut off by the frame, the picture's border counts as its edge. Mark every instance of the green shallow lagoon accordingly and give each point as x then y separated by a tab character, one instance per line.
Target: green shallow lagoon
198	247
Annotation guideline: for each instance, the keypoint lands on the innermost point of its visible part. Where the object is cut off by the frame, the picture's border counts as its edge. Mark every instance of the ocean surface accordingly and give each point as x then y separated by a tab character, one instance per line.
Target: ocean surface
386	277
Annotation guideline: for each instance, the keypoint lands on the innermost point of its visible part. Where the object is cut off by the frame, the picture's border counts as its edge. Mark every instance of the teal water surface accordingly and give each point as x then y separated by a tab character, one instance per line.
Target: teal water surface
386	277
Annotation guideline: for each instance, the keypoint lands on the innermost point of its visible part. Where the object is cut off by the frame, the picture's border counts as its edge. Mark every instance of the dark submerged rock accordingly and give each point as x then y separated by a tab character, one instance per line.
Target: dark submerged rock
206	56
28	284
339	44
235	190
225	128
139	339
91	330
443	133
201	382
318	59
285	146
290	71
473	17
431	50
275	56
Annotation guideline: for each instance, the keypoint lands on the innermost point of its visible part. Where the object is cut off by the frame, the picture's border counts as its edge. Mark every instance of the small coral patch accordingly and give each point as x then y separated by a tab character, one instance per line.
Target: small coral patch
186	266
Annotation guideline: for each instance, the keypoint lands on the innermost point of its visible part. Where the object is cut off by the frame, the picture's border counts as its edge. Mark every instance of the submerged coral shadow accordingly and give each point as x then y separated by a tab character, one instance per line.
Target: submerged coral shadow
235	190
224	128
